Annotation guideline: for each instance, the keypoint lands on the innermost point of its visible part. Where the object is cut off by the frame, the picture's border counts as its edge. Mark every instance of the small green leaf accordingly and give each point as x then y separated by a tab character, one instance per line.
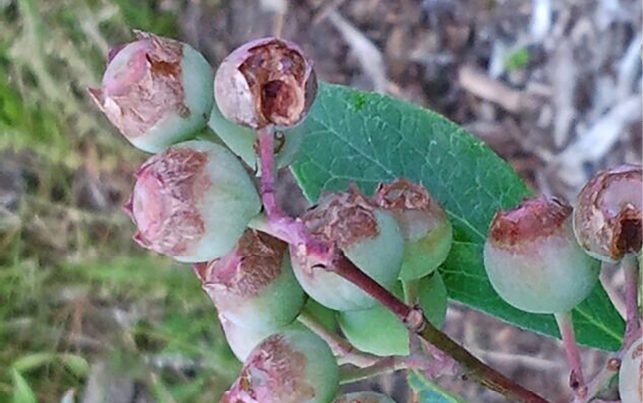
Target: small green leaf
517	59
433	294
32	361
22	392
325	316
75	363
364	138
429	392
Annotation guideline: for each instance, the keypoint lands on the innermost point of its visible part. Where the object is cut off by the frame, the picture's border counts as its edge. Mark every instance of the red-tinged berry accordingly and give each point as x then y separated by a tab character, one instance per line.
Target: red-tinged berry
192	202
267	81
291	366
427	231
242	340
364	397
630	384
156	91
254	285
370	237
607	216
533	260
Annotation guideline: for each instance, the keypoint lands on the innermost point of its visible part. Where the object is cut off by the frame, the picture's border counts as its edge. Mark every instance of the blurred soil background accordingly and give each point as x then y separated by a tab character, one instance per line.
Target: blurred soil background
553	86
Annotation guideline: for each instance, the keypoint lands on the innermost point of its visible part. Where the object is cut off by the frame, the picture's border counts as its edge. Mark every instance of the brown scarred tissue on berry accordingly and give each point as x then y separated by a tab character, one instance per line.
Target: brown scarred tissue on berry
197	200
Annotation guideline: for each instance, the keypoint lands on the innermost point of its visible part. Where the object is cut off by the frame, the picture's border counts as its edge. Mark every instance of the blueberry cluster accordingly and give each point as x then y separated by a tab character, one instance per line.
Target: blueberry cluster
196	200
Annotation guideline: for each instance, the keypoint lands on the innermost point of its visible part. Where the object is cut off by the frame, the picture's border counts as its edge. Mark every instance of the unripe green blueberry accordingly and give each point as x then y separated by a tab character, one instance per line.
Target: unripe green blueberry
427	231
291	366
243	141
364	397
156	91
607	217
378	331
242	340
368	236
326	316
434	299
254	285
630	381
264	82
192	202
533	260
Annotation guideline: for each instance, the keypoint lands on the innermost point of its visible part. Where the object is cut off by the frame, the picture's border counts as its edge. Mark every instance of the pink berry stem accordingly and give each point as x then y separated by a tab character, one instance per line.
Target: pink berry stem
281	224
442	363
411	317
628	263
431	365
294	232
283	227
611	368
566	326
267	156
392	363
632	334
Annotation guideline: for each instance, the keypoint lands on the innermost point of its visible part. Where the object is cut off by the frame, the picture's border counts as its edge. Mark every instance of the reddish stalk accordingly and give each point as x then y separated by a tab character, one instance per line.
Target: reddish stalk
593	387
472	368
280	225
566	327
632	334
628	264
295	232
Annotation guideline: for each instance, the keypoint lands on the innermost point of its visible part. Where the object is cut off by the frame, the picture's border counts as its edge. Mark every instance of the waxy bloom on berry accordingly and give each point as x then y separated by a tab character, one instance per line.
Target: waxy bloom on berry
156	91
369	236
533	260
241	340
427	231
630	384
607	217
291	366
254	285
192	202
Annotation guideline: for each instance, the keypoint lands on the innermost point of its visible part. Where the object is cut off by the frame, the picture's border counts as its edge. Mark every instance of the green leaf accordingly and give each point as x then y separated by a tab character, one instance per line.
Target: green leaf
75	363
22	392
352	136
31	361
325	316
429	392
517	59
